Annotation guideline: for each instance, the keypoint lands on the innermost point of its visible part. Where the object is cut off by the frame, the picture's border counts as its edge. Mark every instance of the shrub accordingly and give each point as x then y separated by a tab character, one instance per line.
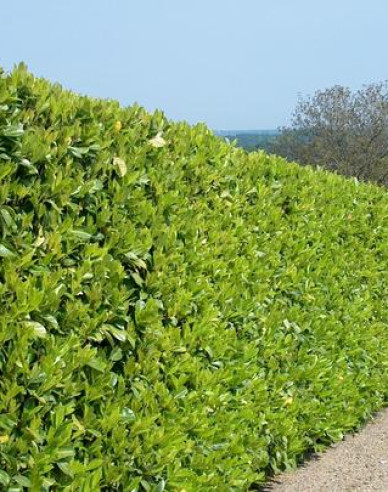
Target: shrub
175	314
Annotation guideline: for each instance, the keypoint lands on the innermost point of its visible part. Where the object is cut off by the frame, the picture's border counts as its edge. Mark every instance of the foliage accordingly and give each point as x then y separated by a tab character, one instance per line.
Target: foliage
340	130
175	314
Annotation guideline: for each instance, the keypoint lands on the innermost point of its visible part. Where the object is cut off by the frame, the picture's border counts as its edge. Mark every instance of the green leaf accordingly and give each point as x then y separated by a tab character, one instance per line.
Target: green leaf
120	165
82	235
25	163
79	152
51	321
7	422
97	364
5	252
37	328
66	452
158	141
14	131
138	280
160	486
119	334
4	478
116	355
10	223
22	480
127	415
65	468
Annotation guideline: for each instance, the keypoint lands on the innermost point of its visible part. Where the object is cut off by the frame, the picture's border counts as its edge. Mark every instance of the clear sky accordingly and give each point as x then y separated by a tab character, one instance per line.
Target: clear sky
232	64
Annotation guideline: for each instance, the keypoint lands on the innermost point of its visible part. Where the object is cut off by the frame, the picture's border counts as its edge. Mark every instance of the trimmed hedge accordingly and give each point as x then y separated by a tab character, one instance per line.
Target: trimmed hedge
175	314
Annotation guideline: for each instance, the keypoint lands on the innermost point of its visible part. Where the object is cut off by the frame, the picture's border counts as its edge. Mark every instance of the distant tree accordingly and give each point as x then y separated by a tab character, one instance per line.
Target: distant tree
340	130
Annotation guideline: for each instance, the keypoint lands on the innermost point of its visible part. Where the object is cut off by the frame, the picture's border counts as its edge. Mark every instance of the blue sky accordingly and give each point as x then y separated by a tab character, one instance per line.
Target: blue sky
232	64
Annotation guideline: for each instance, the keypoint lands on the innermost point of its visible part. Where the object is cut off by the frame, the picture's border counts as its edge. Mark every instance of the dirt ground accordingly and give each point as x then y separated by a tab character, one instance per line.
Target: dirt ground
358	463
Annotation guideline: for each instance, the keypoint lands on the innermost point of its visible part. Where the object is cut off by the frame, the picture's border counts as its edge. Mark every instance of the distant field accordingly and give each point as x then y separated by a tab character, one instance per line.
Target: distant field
250	139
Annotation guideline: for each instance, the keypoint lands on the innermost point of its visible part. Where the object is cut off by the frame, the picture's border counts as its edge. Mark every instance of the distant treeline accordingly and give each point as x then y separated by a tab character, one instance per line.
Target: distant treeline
251	140
337	129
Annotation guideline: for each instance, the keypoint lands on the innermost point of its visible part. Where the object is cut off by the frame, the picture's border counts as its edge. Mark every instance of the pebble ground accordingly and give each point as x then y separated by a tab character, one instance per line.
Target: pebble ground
359	463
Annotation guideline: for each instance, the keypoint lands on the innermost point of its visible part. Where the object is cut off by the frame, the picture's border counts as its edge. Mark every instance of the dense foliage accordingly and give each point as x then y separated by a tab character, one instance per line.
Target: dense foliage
175	314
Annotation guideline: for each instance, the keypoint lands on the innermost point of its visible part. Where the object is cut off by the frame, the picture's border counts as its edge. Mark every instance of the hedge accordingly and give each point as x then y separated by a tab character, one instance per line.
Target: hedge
175	314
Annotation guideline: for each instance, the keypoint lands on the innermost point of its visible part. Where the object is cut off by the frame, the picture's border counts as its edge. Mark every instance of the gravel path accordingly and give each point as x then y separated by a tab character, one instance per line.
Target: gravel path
358	463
